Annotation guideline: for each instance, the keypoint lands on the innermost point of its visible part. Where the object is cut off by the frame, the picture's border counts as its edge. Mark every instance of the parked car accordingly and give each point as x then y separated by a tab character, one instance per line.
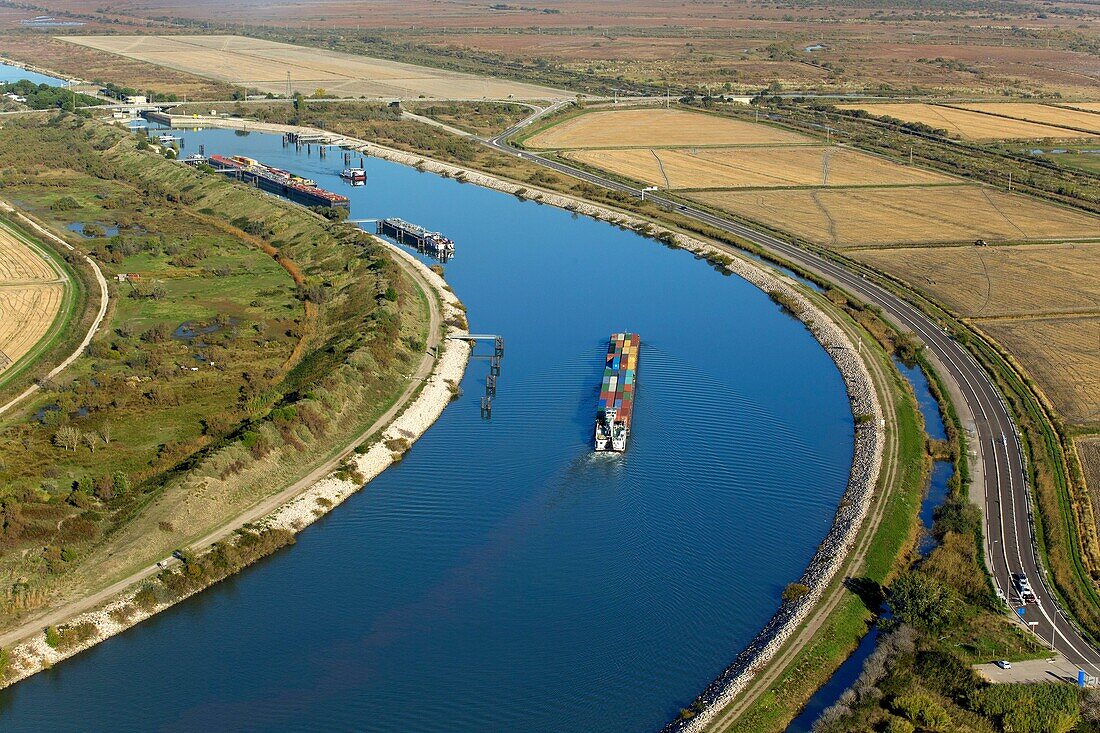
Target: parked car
1003	664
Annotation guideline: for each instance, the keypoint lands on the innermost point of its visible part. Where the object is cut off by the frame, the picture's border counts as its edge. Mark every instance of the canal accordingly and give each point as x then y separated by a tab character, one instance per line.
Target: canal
501	577
10	73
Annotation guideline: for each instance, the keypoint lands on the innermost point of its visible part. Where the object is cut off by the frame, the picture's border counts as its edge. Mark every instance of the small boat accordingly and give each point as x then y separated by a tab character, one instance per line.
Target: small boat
166	138
355	175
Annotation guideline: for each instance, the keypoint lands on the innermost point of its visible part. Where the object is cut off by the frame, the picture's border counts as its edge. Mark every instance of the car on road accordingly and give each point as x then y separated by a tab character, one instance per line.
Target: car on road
1003	664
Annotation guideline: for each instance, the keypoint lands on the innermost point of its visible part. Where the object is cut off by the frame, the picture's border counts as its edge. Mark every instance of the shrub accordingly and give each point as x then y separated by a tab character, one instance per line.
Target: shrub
53	637
65	203
794	591
923	712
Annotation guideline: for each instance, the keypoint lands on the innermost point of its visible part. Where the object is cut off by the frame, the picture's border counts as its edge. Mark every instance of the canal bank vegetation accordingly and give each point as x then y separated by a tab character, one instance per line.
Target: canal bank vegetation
248	340
944	619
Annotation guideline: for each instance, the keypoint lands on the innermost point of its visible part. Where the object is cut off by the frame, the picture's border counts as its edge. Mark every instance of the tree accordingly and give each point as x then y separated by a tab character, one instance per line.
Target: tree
90	439
105	433
67	437
922	601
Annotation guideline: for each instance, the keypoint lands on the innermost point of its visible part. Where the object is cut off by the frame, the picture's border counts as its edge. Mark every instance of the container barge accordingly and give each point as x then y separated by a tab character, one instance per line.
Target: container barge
616	405
274	180
403	232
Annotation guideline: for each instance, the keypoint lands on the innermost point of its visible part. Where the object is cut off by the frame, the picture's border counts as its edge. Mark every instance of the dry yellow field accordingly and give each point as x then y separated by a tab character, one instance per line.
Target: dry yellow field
31	292
967	125
1088	448
1090	106
1063	356
252	62
26	313
21	264
1042	113
851	217
1032	279
756	167
657	128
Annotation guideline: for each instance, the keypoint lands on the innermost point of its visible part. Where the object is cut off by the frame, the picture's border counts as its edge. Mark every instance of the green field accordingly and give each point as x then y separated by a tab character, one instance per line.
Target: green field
248	338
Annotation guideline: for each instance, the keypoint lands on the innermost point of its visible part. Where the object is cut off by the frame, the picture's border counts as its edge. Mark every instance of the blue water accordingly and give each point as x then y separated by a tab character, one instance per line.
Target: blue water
501	577
849	671
109	230
9	73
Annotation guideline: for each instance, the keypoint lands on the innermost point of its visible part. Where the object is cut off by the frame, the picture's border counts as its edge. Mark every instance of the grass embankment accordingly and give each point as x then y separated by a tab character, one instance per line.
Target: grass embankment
479	118
255	339
68	326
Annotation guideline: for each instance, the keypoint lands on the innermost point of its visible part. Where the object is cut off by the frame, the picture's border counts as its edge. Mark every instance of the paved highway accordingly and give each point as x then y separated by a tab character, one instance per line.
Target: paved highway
998	468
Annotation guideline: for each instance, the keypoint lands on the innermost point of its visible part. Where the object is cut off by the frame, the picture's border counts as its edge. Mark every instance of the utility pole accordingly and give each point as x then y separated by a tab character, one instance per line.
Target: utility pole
1010	181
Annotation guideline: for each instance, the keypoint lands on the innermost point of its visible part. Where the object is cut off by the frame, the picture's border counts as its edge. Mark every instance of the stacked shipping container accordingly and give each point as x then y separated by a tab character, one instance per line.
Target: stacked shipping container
619	375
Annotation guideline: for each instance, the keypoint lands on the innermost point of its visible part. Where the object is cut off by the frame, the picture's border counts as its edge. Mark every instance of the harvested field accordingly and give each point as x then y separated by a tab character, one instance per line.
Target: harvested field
21	264
973	281
657	128
31	293
1090	106
757	167
1063	355
264	65
854	217
26	314
965	124
1088	449
1042	113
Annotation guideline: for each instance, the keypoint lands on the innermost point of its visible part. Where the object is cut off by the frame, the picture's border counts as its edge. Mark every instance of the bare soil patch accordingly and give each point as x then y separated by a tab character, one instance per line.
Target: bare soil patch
1063	355
1042	113
26	314
265	65
999	281
94	65
31	294
1088	449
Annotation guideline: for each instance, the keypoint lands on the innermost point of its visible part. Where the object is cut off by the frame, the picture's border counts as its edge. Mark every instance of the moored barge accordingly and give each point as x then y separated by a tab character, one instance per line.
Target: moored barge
616	405
274	180
417	236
